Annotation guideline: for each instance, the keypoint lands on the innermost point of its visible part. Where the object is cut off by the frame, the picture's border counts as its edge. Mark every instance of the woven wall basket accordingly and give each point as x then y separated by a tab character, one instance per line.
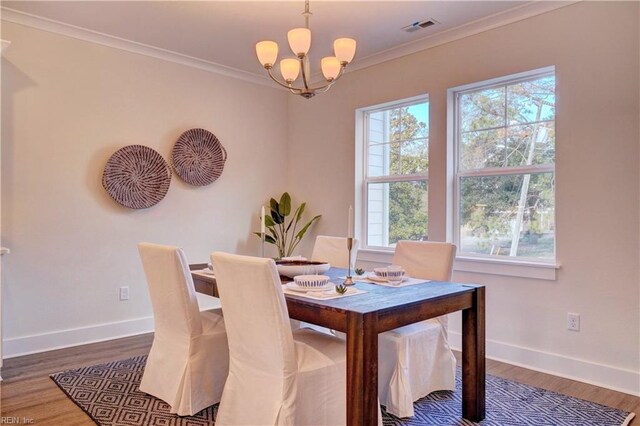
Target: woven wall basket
198	157
137	177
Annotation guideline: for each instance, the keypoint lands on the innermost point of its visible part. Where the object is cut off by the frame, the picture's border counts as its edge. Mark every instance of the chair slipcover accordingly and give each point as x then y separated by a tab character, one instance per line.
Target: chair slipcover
416	359
334	251
276	376
189	358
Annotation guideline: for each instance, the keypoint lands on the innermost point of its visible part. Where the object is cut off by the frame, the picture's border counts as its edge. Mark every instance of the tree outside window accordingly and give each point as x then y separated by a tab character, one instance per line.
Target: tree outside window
505	174
396	177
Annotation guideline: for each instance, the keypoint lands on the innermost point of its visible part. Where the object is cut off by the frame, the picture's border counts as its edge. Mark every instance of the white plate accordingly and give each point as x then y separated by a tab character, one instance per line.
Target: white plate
373	277
295	287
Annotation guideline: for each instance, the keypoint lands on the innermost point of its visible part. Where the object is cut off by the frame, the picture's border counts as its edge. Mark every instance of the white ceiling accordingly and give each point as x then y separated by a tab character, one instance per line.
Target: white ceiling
225	32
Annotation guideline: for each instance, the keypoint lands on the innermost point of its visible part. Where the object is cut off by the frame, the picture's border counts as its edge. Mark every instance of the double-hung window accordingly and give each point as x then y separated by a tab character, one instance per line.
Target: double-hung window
504	168
395	172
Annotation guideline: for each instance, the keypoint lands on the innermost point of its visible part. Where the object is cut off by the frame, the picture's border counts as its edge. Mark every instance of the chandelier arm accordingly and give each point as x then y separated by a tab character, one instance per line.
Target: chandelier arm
286	86
329	84
324	88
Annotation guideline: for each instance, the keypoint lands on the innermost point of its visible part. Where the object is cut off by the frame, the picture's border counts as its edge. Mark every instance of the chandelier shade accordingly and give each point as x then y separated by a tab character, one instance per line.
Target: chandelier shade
345	49
267	52
333	67
299	41
289	68
330	67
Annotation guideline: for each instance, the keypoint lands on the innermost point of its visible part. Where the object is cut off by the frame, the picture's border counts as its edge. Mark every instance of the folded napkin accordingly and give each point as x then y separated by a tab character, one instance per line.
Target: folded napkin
294	258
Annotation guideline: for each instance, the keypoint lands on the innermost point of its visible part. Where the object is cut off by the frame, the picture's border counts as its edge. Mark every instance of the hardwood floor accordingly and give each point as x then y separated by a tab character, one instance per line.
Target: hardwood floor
28	392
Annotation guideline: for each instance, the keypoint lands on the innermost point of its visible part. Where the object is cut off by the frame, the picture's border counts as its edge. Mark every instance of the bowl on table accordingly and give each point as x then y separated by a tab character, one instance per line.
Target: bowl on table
395	274
291	268
381	272
311	281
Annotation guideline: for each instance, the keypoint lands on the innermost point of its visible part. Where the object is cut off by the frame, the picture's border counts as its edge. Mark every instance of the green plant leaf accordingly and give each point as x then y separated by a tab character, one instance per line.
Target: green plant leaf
300	234
267	238
275	214
276	217
295	219
268	221
285	236
285	205
273	204
300	211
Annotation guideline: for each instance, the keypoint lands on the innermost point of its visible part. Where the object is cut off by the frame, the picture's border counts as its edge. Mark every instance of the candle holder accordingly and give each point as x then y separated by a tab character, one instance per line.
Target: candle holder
262	239
349	280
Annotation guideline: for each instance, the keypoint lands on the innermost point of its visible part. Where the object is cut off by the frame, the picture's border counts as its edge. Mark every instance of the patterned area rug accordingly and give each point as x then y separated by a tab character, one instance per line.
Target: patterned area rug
109	394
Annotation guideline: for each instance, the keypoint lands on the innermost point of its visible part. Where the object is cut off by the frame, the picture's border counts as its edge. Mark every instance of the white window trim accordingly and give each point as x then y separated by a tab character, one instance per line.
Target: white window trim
361	168
520	267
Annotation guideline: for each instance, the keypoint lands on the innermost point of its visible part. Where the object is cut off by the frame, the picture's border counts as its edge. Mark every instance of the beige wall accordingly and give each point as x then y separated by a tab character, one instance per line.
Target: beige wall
598	111
67	105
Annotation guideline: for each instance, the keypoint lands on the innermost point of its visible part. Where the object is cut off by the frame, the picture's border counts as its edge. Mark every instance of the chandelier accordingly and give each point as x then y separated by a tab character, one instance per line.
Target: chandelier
300	41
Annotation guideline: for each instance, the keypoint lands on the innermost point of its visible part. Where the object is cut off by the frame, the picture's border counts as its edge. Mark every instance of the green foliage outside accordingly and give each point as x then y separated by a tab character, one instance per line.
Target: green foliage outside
508	127
408	219
500	127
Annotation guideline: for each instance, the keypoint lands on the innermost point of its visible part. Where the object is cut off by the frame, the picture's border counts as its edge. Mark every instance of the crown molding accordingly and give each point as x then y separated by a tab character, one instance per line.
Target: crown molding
57	27
487	23
500	19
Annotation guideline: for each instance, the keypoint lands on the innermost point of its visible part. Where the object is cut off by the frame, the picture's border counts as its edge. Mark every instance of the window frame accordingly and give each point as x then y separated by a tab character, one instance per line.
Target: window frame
485	260
362	167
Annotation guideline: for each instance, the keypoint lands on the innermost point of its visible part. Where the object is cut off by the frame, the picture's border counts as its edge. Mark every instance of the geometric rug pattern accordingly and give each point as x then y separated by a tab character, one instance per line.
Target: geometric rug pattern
109	394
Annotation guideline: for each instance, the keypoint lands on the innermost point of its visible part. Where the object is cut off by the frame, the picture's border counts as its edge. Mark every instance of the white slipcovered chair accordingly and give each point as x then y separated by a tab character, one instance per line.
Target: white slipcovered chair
334	251
276	376
416	359
189	358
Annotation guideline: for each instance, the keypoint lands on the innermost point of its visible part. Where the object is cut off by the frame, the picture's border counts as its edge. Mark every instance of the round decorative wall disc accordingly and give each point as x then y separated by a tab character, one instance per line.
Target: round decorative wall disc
198	157
137	177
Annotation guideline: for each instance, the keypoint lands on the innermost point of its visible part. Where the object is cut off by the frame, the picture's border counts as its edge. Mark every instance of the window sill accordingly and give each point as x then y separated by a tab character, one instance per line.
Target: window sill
511	268
376	256
503	267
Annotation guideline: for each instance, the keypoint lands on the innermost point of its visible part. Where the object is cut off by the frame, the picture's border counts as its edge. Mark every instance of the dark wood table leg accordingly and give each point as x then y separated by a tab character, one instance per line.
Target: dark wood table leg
473	359
362	369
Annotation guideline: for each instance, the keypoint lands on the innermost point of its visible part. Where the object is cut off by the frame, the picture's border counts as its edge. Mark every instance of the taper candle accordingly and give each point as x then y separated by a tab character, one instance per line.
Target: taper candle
350	228
262	221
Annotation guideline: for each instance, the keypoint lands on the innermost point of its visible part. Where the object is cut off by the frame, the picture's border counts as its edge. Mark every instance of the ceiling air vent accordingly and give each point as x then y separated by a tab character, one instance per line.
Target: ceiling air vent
419	25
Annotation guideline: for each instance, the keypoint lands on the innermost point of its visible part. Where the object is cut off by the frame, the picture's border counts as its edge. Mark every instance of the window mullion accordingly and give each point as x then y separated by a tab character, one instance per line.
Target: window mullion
486	129
397	178
516	170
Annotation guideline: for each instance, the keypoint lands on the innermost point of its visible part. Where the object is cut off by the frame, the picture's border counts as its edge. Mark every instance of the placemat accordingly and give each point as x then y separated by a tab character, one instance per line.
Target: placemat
324	295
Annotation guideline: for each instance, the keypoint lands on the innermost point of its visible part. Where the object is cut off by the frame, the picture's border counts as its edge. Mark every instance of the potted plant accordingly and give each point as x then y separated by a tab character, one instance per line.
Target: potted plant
282	226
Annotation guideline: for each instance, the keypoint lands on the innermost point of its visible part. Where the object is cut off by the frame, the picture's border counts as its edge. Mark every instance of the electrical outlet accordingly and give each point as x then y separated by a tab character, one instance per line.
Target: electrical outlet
573	322
124	293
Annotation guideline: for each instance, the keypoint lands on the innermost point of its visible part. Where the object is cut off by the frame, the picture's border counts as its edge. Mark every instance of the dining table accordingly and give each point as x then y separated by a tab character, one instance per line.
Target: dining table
381	308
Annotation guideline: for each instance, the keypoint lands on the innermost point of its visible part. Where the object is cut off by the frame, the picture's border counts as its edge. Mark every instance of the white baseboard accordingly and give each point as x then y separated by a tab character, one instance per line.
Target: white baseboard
26	345
606	376
622	380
